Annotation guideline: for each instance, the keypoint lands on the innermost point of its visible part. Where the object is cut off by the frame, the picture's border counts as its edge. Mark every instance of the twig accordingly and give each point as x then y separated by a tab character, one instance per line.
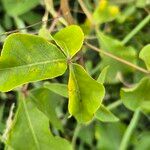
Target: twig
54	22
24	90
86	11
35	24
8	123
65	9
118	58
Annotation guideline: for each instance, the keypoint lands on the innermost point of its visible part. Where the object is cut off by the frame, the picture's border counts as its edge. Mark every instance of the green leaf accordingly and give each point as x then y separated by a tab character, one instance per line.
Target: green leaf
34	17
18	7
138	96
46	101
145	55
85	94
143	141
70	39
30	130
109	135
104	115
102	76
28	58
86	134
57	88
116	48
142	3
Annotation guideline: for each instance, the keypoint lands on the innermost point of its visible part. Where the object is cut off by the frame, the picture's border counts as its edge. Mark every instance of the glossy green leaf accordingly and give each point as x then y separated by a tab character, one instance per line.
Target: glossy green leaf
27	58
104	115
57	88
18	7
85	94
116	48
138	96
145	55
70	39
30	130
46	101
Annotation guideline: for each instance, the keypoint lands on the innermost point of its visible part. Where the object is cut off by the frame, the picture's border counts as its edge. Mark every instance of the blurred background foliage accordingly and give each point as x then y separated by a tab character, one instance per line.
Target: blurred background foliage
116	19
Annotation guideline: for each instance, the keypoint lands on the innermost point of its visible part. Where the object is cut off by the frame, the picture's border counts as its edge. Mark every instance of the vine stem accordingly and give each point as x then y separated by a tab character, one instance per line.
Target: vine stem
114	104
129	131
136	29
75	135
86	11
117	58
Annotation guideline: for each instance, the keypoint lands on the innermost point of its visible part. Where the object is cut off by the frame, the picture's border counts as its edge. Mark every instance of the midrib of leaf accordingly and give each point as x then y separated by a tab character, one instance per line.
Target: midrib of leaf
30	125
34	64
62	50
78	89
76	82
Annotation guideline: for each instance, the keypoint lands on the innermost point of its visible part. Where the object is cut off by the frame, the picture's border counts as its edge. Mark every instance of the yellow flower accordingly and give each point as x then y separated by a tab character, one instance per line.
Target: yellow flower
103	4
114	10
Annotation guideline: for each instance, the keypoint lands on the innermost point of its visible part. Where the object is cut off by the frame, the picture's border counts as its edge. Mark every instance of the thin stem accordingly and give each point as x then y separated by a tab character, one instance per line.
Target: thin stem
75	135
118	58
136	29
86	11
129	131
114	104
27	27
50	7
66	11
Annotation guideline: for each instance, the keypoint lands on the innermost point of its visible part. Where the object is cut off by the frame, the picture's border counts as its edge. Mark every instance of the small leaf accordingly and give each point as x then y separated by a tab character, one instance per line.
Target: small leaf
86	134
70	39
46	101
138	96
116	48
104	115
57	88
18	7
102	75
30	130
85	94
108	136
145	55
28	58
